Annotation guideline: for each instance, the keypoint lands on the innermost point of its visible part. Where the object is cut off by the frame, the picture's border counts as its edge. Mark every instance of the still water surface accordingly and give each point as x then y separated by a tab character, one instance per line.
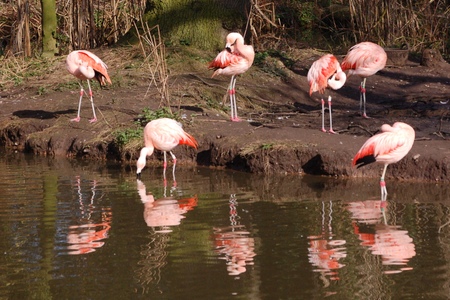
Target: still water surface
84	230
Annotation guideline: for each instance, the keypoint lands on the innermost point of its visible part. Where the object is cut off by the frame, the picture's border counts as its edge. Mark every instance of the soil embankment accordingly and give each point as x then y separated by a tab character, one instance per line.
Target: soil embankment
280	132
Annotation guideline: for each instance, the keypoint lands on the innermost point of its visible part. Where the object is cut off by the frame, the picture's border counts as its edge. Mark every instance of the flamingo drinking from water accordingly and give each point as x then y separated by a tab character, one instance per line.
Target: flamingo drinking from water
387	147
364	59
85	65
326	72
236	59
163	134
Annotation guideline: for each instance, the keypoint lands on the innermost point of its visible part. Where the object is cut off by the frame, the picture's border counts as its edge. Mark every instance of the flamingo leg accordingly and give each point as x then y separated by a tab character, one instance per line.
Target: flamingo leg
230	93
383	184
362	99
329	110
323	116
234	100
383	212
164	168
92	104
234	116
173	169
77	119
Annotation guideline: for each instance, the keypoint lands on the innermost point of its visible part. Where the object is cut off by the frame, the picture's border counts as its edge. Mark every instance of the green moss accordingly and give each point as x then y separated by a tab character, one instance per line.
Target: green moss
184	22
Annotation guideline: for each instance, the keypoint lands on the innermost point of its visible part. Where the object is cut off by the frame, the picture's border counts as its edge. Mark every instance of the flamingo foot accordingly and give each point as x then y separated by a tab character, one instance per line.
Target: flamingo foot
77	119
332	131
323	130
236	119
93	120
366	116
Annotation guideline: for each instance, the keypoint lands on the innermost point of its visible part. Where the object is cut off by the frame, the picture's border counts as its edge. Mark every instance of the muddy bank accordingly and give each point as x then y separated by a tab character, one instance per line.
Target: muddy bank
239	146
280	133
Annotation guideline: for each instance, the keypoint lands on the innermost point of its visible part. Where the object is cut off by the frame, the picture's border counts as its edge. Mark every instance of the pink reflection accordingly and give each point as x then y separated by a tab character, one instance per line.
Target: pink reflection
325	257
324	252
368	212
234	243
393	244
164	212
88	237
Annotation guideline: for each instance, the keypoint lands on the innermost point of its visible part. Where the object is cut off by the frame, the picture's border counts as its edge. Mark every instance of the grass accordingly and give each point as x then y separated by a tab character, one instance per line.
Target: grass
149	115
124	137
15	71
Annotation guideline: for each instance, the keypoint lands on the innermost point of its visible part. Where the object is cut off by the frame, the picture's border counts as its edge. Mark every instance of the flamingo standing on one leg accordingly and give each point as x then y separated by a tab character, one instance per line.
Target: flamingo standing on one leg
387	147
163	134
326	72
364	59
85	65
236	59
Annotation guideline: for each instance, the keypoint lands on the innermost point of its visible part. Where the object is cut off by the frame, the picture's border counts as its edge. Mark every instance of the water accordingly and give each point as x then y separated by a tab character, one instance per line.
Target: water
85	230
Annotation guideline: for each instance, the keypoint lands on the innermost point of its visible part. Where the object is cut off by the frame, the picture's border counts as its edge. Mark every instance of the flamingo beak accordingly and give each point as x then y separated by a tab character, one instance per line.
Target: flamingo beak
228	49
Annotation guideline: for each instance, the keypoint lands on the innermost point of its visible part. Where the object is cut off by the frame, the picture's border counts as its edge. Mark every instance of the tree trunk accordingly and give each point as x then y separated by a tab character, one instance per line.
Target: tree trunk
27	41
49	26
21	36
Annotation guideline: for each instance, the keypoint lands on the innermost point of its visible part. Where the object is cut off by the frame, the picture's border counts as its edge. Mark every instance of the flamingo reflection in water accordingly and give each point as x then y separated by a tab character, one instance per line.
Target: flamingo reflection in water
393	244
166	211
89	236
234	242
160	214
324	251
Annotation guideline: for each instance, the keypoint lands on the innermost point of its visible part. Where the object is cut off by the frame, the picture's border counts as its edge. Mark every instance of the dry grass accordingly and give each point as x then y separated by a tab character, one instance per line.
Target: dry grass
154	52
420	24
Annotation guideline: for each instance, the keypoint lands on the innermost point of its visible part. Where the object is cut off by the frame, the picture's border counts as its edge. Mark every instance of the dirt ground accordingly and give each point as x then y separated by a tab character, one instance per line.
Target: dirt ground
280	131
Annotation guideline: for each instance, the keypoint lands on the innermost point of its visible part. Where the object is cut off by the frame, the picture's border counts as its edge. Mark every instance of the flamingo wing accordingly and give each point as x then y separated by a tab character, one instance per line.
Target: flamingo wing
223	60
387	147
320	71
100	68
365	59
165	134
188	140
227	63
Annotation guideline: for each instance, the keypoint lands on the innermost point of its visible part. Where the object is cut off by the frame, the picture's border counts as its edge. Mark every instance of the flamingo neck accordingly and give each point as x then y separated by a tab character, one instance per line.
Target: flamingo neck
87	71
337	80
146	151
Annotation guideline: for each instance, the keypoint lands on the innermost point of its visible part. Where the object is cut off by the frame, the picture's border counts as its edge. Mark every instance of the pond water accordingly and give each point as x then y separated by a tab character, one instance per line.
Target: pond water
84	230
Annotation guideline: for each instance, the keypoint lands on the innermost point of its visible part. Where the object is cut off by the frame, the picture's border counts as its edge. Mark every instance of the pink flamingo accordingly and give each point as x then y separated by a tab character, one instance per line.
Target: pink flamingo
236	59
326	72
85	65
387	147
163	134
364	59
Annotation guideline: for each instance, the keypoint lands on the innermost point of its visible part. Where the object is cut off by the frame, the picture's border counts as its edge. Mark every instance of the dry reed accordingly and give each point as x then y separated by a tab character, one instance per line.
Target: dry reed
420	24
154	53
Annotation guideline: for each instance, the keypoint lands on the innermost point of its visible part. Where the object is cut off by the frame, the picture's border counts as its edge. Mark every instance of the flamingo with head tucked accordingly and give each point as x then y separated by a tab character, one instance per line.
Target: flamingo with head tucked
364	59
236	59
85	65
326	72
387	147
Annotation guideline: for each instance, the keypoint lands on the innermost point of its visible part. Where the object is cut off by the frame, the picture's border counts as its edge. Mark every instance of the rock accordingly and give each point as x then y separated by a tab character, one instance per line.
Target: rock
432	58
